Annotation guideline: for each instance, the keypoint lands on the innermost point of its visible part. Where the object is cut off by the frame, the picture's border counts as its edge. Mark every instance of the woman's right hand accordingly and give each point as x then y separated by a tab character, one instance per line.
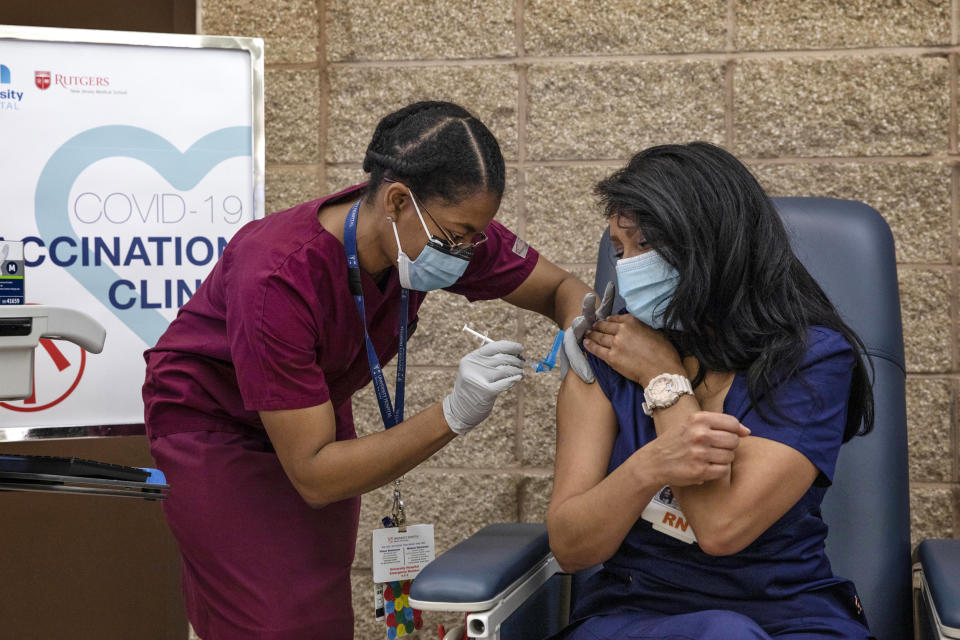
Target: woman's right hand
482	376
697	451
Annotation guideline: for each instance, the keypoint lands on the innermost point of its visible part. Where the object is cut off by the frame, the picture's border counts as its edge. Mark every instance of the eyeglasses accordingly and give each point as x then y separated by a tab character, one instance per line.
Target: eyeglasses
457	248
463	247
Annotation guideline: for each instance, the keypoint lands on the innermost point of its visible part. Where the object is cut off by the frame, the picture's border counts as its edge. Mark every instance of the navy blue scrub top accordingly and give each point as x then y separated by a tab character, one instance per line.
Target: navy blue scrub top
653	571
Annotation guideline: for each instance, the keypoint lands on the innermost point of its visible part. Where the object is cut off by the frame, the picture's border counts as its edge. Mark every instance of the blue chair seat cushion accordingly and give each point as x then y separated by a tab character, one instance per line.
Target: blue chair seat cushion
483	565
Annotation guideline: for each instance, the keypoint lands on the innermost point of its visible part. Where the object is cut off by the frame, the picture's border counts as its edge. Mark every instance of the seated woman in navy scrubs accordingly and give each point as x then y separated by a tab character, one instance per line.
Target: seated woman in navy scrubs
694	470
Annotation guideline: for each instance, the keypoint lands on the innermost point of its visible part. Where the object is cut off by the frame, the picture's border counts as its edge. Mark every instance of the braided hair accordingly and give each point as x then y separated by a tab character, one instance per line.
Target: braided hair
438	149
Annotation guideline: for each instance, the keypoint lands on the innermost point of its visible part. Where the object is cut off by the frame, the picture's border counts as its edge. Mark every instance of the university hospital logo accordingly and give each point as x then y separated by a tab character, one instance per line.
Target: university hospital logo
10	98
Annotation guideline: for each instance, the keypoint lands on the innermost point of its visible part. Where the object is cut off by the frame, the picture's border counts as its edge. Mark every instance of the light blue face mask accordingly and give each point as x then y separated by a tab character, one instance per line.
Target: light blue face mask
646	283
434	268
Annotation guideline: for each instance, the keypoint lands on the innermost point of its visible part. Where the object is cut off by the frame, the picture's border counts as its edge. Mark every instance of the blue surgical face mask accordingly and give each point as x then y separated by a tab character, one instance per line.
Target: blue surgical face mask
434	268
646	283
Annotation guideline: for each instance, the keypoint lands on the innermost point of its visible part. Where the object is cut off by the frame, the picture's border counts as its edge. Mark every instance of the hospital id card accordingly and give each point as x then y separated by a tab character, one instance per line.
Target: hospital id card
664	513
11	273
401	555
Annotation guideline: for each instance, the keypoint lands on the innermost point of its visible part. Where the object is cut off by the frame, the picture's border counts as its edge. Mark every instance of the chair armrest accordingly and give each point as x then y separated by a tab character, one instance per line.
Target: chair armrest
473	575
939	575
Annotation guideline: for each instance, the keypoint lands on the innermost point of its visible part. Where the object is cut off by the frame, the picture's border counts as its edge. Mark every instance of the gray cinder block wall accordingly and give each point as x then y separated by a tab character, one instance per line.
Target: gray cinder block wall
845	98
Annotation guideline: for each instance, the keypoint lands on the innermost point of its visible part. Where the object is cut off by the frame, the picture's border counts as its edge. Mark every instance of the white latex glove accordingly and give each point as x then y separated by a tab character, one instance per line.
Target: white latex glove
482	376
571	356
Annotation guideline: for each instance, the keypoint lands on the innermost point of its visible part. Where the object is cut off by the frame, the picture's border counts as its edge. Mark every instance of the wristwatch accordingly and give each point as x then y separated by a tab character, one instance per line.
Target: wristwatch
664	391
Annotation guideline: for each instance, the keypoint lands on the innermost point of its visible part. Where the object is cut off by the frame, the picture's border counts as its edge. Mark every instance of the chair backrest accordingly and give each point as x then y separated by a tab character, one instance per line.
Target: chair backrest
848	248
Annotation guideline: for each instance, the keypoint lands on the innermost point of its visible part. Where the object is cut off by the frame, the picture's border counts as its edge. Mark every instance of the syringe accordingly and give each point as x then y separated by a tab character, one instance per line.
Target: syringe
487	340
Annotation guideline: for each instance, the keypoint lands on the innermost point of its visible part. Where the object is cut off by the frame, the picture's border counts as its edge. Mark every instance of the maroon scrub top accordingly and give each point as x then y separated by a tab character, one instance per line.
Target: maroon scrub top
274	327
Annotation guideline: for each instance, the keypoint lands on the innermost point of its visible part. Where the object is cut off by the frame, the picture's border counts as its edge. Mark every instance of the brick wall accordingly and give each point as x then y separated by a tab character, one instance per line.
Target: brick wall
845	98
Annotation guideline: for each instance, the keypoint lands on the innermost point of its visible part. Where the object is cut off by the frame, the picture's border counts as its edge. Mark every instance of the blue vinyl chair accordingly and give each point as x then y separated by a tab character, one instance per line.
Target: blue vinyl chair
507	578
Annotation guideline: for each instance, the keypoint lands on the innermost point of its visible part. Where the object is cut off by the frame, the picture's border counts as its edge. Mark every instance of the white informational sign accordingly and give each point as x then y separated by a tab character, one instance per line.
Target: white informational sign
128	163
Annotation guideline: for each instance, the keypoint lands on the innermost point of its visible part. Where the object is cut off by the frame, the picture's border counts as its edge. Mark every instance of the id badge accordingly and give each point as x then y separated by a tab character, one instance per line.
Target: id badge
401	555
664	513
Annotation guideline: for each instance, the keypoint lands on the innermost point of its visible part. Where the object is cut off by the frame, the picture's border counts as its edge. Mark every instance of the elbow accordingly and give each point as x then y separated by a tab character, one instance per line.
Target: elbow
316	494
723	540
316	504
574	555
314	499
322	493
566	567
317	485
571	562
714	547
320	500
318	497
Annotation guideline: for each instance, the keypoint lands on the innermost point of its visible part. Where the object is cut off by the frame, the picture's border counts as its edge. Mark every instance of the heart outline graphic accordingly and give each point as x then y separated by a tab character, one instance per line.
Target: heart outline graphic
182	170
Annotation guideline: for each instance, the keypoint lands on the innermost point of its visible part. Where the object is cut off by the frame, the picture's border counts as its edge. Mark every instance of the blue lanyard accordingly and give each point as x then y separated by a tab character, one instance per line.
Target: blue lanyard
391	415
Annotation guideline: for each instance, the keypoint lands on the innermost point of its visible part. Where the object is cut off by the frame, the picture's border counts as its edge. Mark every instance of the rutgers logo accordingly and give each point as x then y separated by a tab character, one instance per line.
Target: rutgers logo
42	79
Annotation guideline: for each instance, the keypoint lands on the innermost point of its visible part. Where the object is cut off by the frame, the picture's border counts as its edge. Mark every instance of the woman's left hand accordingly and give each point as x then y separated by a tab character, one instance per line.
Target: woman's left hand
632	348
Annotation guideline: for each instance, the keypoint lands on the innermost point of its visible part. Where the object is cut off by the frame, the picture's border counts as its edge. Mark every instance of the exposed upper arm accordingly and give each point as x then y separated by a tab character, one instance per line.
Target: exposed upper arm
779	462
767	478
770	472
586	430
297	435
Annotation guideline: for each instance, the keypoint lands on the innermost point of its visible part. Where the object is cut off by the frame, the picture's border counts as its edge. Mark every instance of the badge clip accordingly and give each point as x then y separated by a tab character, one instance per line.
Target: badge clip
398	515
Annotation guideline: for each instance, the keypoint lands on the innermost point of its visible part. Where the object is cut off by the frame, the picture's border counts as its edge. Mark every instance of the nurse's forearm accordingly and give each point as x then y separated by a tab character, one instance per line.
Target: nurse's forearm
568	302
552	292
345	468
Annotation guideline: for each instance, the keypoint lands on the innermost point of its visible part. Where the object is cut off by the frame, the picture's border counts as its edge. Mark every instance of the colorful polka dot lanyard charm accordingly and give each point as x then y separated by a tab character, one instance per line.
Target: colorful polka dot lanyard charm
402	619
399	552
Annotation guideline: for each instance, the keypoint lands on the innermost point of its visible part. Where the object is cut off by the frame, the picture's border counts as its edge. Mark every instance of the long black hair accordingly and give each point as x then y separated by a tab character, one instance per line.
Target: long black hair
744	300
438	149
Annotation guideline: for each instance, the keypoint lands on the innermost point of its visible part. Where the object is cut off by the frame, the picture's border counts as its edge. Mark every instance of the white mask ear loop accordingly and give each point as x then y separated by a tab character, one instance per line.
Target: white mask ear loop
420	215
397	236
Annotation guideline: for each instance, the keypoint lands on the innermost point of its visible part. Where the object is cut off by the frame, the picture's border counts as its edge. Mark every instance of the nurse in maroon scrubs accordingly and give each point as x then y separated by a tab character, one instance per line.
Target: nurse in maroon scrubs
247	394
